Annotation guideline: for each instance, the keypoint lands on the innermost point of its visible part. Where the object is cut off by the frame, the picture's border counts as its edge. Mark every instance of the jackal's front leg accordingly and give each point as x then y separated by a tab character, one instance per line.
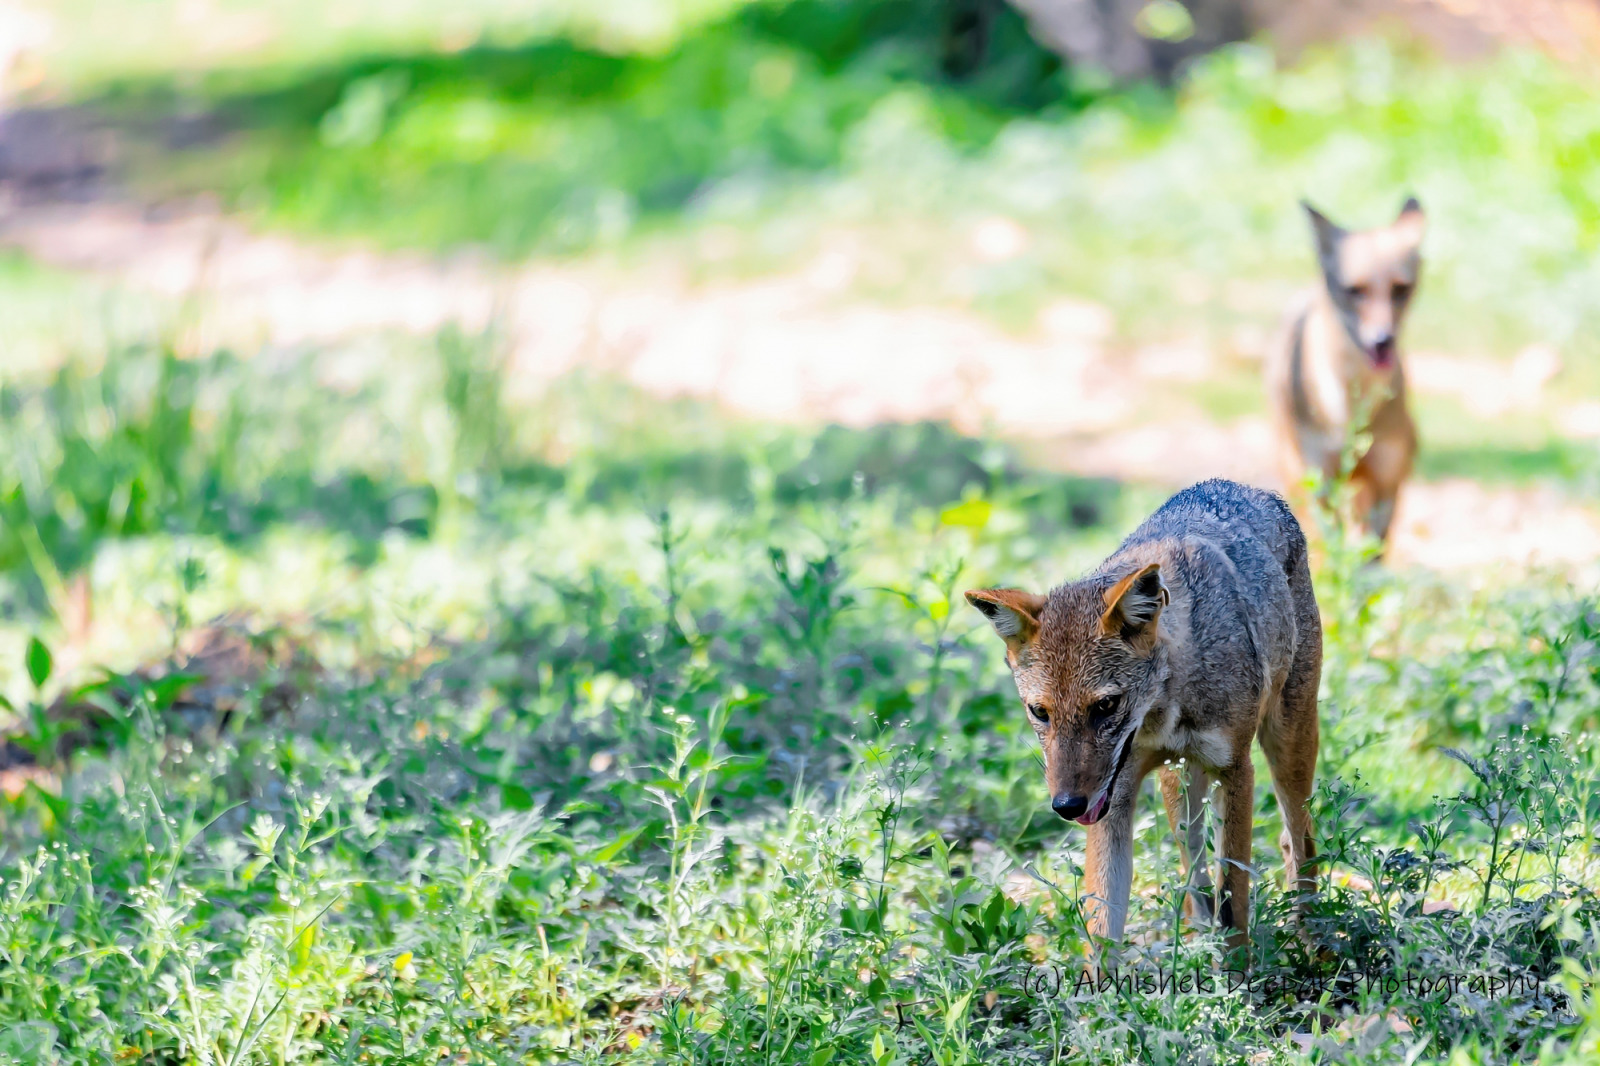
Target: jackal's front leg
1238	820
1108	870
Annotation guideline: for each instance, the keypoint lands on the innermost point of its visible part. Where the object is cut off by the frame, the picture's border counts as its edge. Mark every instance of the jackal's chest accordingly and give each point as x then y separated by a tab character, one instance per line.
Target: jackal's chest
1167	733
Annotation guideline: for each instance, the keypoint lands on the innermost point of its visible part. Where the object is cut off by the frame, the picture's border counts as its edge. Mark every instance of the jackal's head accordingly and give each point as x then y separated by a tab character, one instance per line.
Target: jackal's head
1371	275
1089	662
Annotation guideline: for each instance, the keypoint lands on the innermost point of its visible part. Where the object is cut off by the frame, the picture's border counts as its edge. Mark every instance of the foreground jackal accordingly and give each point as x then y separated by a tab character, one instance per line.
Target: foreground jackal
1335	371
1198	633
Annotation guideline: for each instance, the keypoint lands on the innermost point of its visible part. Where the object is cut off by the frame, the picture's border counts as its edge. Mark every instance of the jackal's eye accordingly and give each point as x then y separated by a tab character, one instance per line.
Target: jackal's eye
1355	292
1103	708
1401	291
1038	713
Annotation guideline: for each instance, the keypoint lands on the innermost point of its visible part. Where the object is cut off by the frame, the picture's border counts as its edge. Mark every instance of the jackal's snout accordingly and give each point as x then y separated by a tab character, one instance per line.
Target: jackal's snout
1085	810
1069	806
1382	349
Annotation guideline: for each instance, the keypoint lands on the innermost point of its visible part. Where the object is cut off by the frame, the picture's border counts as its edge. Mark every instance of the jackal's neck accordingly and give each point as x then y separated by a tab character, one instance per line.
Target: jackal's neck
1337	380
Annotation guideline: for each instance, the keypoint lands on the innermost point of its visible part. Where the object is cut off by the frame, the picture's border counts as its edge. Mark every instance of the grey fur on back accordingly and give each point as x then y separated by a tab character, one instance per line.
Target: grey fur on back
1235	510
1235	557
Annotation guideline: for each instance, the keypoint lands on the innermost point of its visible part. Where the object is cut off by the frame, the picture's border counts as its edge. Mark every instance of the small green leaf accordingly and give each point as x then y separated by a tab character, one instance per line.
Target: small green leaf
252	868
163	692
616	847
969	514
993	913
54	804
39	662
29	1042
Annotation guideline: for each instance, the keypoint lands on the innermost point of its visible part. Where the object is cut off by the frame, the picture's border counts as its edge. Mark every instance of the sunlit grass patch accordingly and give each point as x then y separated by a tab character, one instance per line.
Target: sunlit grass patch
1178	213
669	739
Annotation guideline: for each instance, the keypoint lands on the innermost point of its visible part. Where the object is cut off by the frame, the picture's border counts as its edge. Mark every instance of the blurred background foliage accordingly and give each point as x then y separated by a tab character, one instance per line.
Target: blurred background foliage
766	126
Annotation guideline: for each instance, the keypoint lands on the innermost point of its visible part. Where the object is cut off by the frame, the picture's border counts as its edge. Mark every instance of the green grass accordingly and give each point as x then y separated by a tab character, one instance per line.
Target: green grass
1229	395
418	726
780	130
47	314
1557	460
1516	448
98	45
560	145
666	738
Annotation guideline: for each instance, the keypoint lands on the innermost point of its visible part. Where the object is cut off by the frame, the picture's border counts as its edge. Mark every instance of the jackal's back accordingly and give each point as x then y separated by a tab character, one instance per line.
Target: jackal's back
1240	557
1227	511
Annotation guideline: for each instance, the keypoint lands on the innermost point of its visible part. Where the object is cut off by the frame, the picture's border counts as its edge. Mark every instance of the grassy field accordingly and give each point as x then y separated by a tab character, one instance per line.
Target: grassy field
757	140
356	712
684	748
774	134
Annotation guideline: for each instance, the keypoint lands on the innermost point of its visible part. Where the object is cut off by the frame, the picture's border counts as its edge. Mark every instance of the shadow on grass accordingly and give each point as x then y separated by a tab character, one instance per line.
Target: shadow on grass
150	444
979	49
555	145
923	464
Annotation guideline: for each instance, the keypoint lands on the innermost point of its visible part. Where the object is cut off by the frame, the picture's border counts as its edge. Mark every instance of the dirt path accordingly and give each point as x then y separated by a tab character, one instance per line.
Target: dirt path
792	348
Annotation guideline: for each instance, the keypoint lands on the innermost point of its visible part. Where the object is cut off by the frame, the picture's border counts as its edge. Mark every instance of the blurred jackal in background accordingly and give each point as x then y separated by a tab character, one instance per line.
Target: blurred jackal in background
1335	379
1200	632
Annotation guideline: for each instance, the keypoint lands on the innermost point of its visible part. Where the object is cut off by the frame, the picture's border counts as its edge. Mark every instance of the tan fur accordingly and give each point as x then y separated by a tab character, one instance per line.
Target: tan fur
1335	370
1198	634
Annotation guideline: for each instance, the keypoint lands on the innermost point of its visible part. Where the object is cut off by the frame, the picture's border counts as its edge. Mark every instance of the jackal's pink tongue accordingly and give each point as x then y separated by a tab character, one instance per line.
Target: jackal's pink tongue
1093	814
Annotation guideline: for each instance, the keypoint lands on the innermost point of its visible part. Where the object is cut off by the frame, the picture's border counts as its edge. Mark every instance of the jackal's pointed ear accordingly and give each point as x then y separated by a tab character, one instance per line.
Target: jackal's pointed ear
1410	224
1013	613
1328	237
1133	607
1327	232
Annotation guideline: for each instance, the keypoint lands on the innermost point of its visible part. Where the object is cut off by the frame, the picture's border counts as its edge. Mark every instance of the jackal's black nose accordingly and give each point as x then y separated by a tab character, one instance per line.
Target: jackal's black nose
1069	806
1383	349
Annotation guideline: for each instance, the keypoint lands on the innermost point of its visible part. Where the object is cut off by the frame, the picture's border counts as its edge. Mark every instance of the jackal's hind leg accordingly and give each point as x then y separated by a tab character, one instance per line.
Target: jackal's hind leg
1288	737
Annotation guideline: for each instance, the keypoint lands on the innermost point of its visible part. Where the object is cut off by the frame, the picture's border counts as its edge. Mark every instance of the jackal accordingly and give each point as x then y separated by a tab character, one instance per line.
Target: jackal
1335	371
1198	633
